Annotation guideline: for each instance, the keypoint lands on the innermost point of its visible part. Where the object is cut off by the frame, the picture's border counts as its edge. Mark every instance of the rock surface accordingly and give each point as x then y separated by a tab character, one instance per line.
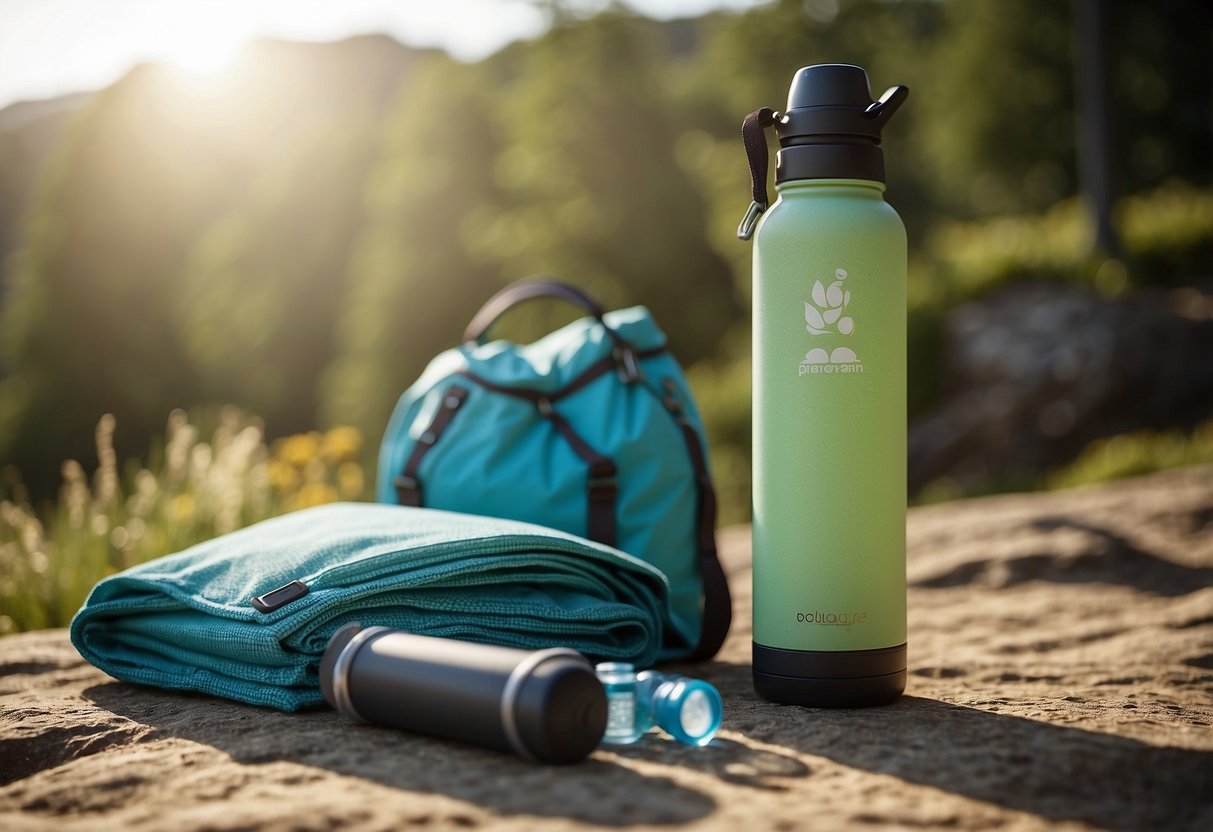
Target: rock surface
1061	658
1034	373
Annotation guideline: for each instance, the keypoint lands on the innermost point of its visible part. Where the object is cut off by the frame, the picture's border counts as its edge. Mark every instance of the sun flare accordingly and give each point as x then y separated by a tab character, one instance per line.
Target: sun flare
205	46
204	58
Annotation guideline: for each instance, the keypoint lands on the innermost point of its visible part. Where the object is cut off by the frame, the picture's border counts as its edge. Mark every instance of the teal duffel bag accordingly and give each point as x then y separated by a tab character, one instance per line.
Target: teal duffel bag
247	615
591	430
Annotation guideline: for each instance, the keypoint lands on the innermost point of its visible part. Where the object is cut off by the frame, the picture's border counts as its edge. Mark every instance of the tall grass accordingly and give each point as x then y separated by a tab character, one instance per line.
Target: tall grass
194	488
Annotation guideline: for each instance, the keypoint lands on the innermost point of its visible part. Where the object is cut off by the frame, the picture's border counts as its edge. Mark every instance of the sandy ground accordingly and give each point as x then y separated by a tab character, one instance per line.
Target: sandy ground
1061	656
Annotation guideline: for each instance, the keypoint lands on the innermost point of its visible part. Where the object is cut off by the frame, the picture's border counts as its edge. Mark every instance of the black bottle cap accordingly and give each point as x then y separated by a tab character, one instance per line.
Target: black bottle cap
830	85
832	126
561	710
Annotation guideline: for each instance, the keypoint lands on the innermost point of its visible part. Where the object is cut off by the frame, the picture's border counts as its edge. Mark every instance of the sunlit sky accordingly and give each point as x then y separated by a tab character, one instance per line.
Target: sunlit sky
52	47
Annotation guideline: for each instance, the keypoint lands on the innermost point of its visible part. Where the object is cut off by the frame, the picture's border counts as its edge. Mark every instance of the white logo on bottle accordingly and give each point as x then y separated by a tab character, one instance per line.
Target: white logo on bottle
825	316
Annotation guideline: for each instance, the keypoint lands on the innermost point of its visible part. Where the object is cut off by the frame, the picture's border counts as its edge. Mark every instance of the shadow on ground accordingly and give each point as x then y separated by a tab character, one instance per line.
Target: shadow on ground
1107	557
598	791
1048	770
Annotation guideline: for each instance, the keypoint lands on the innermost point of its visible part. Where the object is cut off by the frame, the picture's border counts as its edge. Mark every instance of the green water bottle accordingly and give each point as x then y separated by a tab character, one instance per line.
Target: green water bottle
829	399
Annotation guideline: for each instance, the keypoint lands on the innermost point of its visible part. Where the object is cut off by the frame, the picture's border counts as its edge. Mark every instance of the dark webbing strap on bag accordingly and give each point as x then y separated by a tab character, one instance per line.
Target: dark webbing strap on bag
717	600
602	487
408	484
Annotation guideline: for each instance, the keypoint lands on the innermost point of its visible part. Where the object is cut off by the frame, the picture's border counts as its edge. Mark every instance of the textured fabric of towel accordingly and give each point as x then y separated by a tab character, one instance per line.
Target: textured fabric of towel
186	621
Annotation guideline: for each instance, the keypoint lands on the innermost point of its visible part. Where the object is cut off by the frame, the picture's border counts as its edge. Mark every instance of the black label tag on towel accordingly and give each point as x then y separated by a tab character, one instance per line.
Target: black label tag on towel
280	597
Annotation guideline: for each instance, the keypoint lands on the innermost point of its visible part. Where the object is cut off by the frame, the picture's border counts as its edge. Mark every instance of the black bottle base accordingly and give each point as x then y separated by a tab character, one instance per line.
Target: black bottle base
830	679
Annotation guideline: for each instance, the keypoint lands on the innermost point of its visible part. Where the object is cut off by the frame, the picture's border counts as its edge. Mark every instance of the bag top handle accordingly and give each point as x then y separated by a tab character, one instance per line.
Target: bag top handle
530	289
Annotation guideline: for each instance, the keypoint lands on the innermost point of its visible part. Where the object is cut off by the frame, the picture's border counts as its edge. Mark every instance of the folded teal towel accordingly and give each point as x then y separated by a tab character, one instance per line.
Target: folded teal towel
188	621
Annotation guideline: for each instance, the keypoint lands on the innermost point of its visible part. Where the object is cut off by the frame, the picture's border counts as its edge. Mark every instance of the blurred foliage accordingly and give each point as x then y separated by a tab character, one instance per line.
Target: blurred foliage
1134	454
303	232
1167	235
1108	459
190	489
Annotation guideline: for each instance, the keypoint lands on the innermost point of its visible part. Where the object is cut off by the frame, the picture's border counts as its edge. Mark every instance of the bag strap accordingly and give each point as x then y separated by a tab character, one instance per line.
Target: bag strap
535	288
408	483
717	600
601	485
522	291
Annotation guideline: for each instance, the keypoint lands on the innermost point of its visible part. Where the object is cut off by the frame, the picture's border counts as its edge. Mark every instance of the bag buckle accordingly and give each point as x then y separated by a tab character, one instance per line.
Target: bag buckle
671	398
602	476
604	484
627	366
408	490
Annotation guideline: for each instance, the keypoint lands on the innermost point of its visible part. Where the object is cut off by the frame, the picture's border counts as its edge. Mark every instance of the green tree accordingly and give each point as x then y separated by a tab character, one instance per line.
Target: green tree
263	283
412	283
591	187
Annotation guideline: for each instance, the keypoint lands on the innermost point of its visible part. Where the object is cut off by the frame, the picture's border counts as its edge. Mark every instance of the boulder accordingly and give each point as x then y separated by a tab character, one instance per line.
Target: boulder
1035	372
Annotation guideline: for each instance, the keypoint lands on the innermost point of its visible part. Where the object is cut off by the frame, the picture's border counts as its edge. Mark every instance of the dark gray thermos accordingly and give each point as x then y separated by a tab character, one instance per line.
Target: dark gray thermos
545	705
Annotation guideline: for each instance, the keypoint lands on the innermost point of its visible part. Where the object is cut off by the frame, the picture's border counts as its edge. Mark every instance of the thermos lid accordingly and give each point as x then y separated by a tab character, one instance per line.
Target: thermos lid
829	85
832	126
831	130
834	102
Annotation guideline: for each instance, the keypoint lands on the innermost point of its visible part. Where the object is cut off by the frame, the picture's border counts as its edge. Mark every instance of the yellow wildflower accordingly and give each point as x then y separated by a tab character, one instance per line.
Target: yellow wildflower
350	481
298	449
313	494
315	471
183	507
341	443
282	476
